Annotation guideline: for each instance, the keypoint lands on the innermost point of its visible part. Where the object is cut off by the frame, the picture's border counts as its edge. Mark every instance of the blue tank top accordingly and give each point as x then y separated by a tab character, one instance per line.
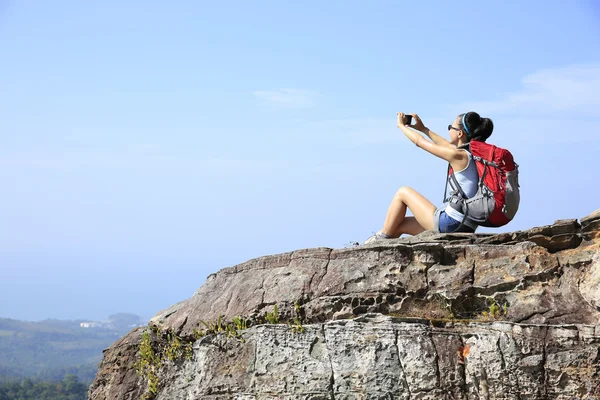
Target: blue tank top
467	178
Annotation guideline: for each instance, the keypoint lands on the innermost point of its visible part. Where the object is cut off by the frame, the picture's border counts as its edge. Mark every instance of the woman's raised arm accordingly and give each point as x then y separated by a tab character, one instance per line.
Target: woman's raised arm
449	153
437	139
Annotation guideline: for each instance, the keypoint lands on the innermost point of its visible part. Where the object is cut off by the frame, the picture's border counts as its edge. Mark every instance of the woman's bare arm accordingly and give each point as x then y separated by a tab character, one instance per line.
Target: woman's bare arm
457	158
437	139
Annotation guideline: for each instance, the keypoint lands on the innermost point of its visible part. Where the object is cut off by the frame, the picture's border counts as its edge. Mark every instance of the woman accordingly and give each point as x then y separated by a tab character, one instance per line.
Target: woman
466	127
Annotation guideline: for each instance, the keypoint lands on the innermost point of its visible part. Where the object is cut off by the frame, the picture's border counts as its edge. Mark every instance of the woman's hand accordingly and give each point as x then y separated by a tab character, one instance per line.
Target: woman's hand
400	121
418	125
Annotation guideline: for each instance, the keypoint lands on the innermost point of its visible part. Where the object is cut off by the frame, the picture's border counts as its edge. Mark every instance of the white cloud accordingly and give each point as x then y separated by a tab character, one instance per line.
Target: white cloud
286	98
574	90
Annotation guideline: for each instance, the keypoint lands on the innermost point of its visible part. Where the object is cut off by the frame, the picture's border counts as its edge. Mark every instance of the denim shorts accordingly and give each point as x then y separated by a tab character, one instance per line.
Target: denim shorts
446	224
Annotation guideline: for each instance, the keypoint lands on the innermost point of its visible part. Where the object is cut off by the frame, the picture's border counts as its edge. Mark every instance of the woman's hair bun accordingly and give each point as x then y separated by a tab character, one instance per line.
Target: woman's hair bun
478	128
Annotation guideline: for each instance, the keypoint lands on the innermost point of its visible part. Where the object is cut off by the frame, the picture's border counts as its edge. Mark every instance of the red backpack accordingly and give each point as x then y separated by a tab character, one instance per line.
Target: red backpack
497	199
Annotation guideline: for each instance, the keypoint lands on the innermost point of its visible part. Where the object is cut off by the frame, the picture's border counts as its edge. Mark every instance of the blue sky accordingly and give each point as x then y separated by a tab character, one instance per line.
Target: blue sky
145	145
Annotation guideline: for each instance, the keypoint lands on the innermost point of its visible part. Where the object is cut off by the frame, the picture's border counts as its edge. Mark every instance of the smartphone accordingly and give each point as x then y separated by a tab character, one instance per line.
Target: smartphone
407	119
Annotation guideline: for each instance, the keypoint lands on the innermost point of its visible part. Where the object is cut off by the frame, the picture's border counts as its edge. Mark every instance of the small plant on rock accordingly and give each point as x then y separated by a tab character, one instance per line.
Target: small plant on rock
176	347
273	317
198	333
173	348
214	327
168	347
495	310
240	323
148	364
297	326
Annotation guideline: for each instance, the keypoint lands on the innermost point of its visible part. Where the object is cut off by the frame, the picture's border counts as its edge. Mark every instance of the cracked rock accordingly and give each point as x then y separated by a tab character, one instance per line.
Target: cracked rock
436	316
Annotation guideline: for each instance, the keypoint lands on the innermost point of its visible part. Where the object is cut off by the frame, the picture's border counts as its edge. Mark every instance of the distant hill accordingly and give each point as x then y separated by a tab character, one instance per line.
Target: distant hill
51	349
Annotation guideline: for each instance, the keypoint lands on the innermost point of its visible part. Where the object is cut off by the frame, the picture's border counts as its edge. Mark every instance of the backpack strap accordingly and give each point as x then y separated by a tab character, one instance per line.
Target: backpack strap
485	162
462	223
491	153
456	186
446	187
457	196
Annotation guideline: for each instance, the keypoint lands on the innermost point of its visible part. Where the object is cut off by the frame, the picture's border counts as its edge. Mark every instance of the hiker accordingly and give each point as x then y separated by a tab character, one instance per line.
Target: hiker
466	127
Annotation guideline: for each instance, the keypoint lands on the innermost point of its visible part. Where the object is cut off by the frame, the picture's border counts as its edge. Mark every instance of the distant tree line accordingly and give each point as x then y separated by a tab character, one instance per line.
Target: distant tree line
53	359
49	350
84	373
67	389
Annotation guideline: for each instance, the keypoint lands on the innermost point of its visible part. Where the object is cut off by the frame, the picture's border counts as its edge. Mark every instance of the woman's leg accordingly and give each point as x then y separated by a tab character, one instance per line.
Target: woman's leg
396	223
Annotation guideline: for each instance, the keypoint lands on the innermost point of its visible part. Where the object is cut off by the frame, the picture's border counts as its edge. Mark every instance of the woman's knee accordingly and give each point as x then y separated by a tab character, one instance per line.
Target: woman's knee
403	193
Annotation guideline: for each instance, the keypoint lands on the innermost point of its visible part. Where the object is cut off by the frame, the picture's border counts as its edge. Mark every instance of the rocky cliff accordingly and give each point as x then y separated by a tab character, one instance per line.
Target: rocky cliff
435	316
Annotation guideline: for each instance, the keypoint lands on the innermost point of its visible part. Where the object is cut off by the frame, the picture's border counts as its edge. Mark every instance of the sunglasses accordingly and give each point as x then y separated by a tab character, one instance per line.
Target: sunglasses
451	127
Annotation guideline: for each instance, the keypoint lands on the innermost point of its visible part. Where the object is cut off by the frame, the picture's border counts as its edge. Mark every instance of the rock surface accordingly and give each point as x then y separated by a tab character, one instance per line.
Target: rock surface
397	319
382	357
